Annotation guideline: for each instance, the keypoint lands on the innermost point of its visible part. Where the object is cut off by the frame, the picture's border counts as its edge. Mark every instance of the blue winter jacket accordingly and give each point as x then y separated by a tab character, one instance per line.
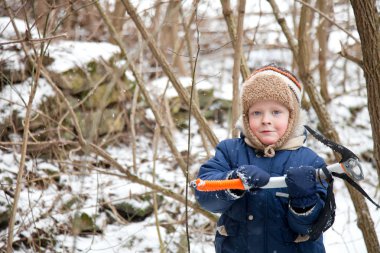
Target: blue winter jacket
260	221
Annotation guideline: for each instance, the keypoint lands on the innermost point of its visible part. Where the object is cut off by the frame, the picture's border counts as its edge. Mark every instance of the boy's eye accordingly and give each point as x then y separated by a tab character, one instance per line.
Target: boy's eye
256	113
276	112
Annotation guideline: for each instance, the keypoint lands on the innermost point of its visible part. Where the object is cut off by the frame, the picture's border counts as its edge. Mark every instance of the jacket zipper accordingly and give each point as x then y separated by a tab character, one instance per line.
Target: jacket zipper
266	211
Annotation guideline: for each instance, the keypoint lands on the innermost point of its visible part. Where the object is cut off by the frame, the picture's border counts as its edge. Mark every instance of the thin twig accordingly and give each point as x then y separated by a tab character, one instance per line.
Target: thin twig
187	39
29	40
133	127
133	109
189	129
37	64
156	138
351	58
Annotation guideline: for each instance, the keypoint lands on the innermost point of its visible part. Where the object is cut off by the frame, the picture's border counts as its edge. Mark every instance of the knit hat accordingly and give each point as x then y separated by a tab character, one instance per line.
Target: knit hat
277	84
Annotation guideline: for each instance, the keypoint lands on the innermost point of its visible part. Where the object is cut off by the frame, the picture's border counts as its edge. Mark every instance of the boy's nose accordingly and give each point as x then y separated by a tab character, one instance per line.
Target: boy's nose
266	118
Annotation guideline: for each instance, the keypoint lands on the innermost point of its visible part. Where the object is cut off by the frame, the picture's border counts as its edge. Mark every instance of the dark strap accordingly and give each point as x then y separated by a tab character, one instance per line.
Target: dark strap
327	174
326	217
356	186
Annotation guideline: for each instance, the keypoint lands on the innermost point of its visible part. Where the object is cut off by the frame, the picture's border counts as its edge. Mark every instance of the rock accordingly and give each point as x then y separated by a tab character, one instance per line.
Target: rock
133	213
83	224
136	209
78	79
98	123
4	219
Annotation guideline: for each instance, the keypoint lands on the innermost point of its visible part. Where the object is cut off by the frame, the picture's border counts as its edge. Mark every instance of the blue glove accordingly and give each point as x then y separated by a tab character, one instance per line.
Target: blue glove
302	187
251	176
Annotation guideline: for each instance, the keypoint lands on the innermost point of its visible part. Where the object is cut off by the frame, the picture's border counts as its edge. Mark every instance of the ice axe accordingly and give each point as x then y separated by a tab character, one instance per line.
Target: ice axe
348	168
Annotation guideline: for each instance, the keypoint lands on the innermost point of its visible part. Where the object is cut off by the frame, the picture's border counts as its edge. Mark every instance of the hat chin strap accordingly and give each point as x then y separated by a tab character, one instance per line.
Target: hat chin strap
269	151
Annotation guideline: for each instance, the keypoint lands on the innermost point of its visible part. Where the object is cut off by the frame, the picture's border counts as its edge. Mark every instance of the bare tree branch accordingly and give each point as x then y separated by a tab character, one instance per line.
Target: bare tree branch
183	94
29	40
285	29
157	114
235	72
228	17
352	58
322	34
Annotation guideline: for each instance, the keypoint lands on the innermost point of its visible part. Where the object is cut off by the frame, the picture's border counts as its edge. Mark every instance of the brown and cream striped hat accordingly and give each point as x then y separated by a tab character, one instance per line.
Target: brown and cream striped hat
271	83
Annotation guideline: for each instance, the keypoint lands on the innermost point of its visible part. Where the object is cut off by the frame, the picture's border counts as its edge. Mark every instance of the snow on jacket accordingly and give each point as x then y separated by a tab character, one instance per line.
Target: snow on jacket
260	221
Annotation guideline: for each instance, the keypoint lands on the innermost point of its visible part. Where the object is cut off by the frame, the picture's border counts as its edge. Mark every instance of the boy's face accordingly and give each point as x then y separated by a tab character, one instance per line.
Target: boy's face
268	121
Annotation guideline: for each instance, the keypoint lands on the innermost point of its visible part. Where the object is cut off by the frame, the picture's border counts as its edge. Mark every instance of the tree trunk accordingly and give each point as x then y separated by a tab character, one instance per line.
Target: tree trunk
324	6
365	222
169	36
227	13
235	73
368	25
118	16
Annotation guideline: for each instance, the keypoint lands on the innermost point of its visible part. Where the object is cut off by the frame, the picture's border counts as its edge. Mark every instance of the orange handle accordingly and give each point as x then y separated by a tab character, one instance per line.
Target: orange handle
217	185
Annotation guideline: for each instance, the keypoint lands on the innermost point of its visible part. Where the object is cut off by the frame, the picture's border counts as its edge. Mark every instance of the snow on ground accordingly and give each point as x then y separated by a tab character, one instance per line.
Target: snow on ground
7	29
141	236
162	85
71	54
14	98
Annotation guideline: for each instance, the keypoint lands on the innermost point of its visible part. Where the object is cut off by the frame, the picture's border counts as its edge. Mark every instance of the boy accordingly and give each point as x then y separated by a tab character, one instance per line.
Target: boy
266	220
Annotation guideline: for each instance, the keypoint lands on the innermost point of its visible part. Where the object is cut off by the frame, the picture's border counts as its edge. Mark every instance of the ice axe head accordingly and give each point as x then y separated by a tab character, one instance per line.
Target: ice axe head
349	162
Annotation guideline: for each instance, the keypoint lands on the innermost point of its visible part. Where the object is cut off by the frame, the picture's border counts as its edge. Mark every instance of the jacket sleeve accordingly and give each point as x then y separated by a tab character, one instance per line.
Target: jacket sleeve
302	222
217	168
